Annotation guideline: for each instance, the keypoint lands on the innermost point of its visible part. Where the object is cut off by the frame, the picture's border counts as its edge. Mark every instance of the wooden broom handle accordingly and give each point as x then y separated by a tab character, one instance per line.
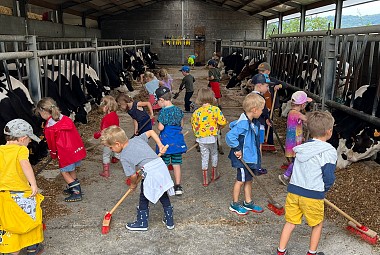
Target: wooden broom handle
271	114
348	217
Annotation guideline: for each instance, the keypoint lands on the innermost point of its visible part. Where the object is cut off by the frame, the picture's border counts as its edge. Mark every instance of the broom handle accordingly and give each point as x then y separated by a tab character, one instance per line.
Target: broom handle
258	182
348	217
271	114
129	190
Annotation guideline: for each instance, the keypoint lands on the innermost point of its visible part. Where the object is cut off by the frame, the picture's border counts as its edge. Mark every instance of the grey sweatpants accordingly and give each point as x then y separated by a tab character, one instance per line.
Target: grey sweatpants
108	154
208	149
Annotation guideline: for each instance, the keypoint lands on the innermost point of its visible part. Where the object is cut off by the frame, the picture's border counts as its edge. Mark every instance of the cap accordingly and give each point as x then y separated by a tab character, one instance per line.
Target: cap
260	78
265	66
211	62
300	97
20	128
161	91
185	69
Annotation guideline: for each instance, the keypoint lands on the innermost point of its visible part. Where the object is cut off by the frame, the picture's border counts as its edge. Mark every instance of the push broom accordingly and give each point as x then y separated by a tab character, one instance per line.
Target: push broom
266	146
355	227
272	205
108	216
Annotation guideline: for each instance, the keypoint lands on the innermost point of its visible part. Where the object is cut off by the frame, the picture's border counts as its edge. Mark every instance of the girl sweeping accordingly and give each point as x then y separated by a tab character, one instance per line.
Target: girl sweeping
135	110
165	79
294	132
151	85
206	121
65	144
108	106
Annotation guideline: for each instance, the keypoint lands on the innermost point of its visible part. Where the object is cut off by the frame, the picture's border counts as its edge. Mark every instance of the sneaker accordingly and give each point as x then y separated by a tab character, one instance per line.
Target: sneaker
178	190
252	207
192	107
238	209
318	253
282	252
259	171
283	179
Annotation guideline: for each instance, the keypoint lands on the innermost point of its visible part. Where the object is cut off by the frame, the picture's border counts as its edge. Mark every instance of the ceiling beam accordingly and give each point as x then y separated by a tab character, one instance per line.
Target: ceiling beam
269	6
70	4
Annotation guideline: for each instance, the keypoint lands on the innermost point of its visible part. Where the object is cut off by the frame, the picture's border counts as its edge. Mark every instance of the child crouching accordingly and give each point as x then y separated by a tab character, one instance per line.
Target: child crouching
157	183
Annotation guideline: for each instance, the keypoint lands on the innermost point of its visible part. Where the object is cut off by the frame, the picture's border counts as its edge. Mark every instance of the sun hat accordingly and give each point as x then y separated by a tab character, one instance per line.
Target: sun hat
260	78
264	67
20	128
300	97
185	69
161	91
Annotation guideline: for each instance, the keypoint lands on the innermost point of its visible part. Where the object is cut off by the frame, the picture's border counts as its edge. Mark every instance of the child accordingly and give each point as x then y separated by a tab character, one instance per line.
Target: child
65	144
191	59
312	177
243	138
165	79
151	85
170	122
206	121
136	111
108	106
157	183
214	80
19	193
187	83
294	130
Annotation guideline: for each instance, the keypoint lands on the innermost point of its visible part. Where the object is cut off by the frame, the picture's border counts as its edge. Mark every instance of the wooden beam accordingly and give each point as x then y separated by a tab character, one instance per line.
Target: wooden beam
70	4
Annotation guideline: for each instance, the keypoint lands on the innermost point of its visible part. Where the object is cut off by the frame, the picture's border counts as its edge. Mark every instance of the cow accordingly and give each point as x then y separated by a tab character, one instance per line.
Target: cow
248	70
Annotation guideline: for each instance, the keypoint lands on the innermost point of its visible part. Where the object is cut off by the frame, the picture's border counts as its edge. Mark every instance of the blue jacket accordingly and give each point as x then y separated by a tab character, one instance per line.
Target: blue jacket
173	136
244	137
313	169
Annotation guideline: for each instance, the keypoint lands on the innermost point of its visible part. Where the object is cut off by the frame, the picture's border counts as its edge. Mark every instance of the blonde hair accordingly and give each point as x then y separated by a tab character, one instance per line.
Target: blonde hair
149	75
205	96
163	73
112	135
318	123
48	104
110	102
253	100
124	98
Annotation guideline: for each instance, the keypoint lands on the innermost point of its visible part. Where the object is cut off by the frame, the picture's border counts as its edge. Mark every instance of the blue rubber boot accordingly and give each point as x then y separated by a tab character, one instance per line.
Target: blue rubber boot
168	217
76	192
141	223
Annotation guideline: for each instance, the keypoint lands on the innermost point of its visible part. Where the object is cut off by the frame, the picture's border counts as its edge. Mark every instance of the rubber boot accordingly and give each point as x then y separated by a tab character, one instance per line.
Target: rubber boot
214	174
141	223
205	179
76	190
168	217
68	191
114	160
106	171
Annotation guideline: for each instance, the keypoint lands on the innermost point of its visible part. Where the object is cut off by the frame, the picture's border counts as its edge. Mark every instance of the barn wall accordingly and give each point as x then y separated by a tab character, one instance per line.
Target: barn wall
16	26
165	20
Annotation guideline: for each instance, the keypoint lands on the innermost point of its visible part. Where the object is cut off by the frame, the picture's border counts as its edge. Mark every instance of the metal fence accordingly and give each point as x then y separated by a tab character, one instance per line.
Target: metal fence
33	59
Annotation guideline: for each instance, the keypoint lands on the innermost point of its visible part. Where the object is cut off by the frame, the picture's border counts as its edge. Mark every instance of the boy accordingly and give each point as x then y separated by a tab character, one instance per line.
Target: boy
19	192
214	80
243	138
170	122
187	83
157	182
313	175
191	60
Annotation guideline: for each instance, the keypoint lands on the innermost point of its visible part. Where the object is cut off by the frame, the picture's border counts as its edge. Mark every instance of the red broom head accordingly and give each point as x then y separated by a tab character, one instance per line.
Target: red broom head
368	239
170	167
105	230
43	226
276	210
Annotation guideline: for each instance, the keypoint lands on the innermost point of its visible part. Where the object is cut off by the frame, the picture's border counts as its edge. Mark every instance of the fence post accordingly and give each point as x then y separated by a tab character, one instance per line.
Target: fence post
328	66
269	51
95	56
135	41
121	52
230	48
33	69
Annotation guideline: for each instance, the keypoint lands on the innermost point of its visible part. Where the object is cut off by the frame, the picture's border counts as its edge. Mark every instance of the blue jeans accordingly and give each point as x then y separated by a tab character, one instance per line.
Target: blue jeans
188	95
144	202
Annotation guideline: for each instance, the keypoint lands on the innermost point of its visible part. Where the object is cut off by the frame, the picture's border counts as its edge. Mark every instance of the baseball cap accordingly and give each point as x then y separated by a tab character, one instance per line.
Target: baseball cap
260	78
161	91
264	66
211	62
20	128
300	97
185	69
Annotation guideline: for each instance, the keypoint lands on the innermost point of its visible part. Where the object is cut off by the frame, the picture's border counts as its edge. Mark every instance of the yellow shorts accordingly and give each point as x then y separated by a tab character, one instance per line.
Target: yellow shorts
190	61
297	206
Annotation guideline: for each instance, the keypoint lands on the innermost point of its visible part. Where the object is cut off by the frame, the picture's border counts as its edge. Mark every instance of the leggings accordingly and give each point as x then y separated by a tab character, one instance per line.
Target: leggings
208	149
107	154
144	202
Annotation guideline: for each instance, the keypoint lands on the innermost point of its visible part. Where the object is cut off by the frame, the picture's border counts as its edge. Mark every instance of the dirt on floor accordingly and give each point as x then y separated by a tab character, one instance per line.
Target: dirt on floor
356	190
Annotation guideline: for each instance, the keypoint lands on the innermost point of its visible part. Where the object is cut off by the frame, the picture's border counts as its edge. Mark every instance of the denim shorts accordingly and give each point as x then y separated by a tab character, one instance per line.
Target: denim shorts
71	167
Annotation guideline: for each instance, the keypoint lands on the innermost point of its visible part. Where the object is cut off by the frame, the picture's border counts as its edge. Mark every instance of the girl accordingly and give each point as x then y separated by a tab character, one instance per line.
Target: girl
151	85
65	144
205	122
108	106
294	131
136	111
165	79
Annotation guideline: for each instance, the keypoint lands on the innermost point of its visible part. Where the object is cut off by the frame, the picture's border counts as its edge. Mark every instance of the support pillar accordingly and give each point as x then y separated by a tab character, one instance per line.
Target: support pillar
329	66
303	18
338	14
33	70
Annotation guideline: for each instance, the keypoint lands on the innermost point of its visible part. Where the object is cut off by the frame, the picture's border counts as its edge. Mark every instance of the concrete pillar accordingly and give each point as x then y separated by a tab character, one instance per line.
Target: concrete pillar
33	70
338	14
303	18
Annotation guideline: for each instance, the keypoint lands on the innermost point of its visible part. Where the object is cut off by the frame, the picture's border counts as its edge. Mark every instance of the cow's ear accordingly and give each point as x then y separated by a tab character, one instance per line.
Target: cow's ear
376	133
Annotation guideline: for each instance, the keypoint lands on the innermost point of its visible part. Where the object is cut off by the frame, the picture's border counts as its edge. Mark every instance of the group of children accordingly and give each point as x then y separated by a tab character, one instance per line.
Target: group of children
313	162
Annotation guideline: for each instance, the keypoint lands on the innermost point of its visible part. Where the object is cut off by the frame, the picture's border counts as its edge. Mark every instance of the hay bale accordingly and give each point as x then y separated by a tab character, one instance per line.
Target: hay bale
6	10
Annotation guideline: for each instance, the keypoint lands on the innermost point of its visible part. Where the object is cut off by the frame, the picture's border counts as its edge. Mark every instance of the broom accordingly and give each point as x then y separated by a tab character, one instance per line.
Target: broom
265	145
355	227
272	205
108	216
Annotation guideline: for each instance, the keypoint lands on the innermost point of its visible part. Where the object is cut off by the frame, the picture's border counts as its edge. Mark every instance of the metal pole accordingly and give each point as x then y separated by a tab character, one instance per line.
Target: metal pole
329	62
280	20
183	33
33	69
303	18
95	56
338	14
